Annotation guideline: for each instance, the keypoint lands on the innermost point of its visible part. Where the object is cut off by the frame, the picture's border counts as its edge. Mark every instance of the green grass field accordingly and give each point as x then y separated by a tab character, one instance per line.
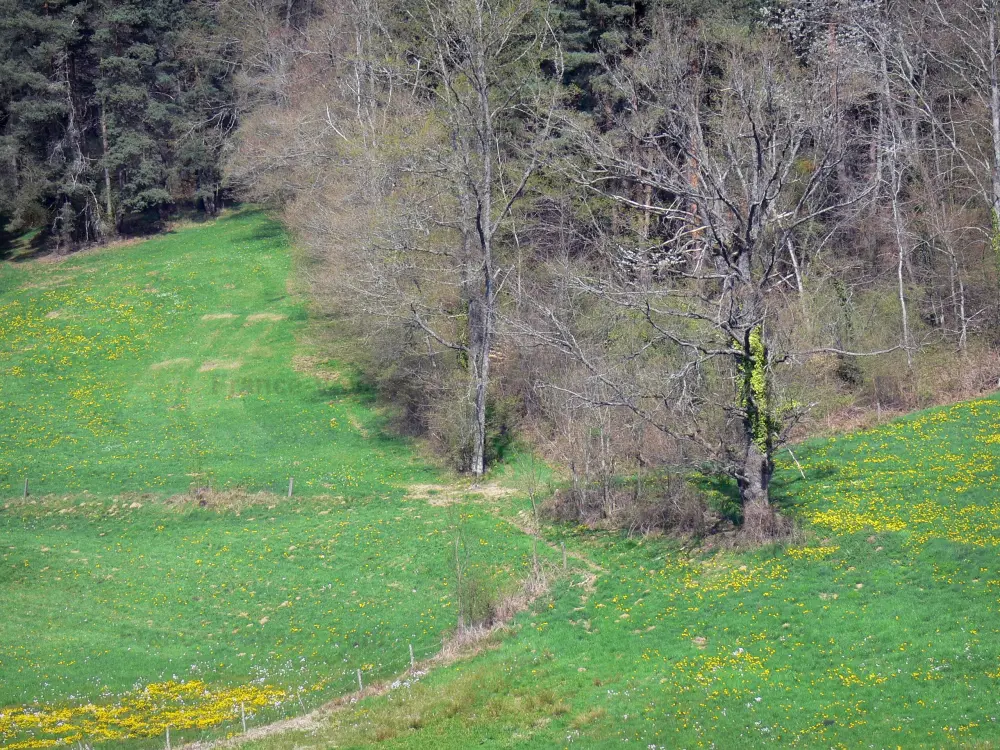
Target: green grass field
134	376
128	607
173	364
879	630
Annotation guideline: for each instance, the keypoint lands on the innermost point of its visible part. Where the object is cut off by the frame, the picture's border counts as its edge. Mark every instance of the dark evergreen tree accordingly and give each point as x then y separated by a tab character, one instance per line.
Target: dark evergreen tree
593	33
46	63
111	113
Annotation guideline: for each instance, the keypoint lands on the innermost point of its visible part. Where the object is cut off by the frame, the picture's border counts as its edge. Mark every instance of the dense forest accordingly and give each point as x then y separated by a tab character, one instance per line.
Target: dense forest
657	240
111	113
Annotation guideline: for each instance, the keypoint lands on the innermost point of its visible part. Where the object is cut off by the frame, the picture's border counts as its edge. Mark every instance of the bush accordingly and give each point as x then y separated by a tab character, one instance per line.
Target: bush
667	504
481	598
450	428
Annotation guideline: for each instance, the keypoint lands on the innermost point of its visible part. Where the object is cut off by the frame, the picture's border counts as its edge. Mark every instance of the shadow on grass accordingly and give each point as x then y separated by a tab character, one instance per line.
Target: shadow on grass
263	228
18	247
723	493
788	481
269	231
381	425
21	246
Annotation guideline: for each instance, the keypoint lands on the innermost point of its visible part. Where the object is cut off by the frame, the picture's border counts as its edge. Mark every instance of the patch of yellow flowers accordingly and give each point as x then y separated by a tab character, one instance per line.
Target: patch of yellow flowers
811	553
147	713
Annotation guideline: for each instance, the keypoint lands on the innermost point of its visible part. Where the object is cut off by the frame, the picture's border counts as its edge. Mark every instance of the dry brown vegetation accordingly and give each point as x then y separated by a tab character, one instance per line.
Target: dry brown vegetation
676	280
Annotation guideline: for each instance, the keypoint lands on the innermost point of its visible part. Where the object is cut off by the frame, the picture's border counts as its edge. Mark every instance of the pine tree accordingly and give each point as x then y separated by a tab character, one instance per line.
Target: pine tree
46	69
593	33
111	113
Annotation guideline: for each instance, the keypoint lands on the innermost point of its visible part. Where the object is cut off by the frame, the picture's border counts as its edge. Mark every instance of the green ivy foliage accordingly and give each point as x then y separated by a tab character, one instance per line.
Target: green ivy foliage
754	391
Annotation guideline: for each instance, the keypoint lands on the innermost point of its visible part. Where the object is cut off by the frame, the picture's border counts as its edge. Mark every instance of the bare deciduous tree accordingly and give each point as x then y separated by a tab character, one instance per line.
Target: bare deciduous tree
735	155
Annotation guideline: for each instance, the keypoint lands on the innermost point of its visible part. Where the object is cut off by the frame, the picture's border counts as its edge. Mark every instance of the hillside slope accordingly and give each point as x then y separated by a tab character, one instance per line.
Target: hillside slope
137	600
879	629
134	368
158	397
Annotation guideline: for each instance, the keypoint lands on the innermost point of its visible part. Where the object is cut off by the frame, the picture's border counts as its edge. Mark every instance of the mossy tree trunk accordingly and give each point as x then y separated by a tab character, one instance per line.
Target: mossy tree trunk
759	435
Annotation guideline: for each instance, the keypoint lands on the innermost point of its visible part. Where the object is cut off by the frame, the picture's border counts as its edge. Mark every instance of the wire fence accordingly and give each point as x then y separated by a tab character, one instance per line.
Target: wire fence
367	667
398	667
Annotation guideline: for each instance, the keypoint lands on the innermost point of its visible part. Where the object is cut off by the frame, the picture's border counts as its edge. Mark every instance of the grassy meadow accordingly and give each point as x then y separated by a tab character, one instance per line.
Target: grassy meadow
879	629
158	396
173	363
136	598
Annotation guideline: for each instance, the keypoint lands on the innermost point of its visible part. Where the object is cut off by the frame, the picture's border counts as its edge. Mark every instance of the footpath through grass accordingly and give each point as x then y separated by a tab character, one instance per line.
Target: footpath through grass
135	599
880	630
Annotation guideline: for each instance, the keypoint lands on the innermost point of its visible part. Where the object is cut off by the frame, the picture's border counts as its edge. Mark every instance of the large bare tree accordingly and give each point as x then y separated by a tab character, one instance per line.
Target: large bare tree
730	149
485	74
451	121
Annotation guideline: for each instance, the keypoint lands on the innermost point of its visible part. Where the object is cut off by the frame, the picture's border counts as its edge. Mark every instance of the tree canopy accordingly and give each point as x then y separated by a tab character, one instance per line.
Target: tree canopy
110	112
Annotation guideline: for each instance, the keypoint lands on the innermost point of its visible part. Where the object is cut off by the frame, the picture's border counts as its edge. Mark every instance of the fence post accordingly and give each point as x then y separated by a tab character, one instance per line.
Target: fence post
168	738
291	484
243	717
25	488
360	686
563	545
411	658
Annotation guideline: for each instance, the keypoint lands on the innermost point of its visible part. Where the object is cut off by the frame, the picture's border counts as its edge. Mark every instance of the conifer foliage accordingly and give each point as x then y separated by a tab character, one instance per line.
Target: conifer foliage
111	112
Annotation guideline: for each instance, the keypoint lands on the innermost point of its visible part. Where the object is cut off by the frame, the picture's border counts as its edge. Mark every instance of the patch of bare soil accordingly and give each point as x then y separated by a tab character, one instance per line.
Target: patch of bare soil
446	494
218	316
213	364
238	500
170	363
315	367
264	318
358	427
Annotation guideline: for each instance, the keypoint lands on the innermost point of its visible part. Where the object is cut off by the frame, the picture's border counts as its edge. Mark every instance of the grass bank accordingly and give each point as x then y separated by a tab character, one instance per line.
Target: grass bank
880	629
158	396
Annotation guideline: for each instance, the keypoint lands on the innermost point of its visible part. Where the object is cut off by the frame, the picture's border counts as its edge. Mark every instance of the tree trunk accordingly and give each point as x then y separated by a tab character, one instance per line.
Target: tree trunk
896	169
480	345
74	140
897	223
482	307
73	135
795	267
759	520
111	221
760	523
994	52
994	73
963	335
